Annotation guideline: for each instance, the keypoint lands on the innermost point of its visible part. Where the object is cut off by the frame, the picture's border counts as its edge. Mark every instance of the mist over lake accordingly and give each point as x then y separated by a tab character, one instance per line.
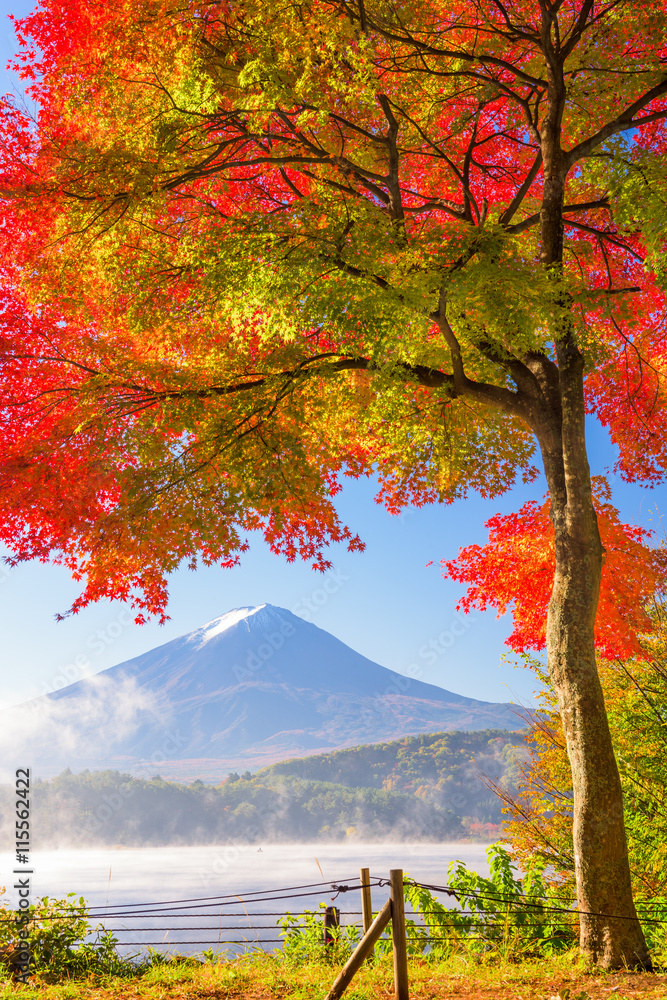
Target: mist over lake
110	878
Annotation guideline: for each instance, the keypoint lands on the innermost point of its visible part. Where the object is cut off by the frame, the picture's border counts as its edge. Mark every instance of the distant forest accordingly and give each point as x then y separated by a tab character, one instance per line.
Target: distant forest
426	788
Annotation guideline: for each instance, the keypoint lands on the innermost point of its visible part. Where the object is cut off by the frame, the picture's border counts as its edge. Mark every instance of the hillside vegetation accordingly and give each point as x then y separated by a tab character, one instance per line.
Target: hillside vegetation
446	770
419	788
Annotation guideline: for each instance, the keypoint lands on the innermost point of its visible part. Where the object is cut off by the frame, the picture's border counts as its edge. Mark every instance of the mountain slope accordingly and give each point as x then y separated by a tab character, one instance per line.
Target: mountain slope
251	687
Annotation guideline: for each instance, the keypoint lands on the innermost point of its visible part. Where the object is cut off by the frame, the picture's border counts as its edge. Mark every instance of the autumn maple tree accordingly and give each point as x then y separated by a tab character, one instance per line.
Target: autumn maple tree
251	248
513	573
540	823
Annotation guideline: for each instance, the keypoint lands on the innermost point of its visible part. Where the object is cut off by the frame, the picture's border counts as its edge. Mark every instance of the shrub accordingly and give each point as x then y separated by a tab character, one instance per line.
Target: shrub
513	917
62	941
304	938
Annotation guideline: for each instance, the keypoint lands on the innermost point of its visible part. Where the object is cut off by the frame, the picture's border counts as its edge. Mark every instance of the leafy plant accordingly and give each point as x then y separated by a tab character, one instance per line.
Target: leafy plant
156	959
304	938
512	917
653	916
62	941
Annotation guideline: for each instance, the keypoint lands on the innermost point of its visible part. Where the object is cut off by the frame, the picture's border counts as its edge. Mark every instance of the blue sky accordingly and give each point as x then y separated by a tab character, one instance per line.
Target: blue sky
384	602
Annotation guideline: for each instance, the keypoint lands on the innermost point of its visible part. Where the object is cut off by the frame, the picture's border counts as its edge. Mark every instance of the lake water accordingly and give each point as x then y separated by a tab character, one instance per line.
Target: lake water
187	899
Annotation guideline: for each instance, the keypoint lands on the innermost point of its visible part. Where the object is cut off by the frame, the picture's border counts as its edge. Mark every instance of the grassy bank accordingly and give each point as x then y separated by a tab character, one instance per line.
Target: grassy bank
266	977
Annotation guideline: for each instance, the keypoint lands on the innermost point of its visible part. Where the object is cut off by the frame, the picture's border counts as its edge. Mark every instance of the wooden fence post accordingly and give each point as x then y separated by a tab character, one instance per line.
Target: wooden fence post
398	935
393	911
360	953
331	922
366	904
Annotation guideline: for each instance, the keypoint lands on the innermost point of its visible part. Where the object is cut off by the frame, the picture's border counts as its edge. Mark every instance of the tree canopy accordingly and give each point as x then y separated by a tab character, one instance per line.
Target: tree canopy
422	788
255	250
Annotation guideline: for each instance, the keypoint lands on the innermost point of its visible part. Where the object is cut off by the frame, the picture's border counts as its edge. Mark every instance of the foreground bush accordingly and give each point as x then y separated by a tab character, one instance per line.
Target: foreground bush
63	944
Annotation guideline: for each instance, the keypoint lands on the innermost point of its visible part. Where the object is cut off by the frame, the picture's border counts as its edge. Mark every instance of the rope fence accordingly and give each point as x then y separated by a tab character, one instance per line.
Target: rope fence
192	913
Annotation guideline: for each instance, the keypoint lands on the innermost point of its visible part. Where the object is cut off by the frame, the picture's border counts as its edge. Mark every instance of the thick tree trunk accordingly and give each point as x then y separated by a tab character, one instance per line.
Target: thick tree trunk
614	939
611	935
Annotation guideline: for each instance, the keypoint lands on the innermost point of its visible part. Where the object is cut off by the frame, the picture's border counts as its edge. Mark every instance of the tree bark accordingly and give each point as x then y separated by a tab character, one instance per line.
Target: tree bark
614	939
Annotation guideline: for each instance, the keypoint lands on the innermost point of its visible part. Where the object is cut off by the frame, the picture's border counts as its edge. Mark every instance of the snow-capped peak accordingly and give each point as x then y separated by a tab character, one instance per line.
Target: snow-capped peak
218	625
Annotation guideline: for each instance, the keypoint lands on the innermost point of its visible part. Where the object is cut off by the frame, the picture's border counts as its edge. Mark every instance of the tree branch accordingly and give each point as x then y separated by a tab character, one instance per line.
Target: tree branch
533	220
522	192
621	123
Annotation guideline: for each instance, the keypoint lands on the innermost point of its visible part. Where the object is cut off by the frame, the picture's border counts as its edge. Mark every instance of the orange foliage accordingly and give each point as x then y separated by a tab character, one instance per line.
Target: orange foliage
514	572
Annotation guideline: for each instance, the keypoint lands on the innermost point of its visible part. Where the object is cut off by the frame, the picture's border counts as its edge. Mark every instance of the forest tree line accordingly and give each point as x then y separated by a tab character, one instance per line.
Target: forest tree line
427	788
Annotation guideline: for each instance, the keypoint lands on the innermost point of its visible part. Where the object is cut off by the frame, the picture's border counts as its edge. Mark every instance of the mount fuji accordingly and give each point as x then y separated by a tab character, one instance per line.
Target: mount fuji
250	688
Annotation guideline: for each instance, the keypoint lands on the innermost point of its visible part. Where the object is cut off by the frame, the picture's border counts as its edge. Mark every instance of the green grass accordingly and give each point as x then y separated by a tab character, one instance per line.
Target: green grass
269	977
